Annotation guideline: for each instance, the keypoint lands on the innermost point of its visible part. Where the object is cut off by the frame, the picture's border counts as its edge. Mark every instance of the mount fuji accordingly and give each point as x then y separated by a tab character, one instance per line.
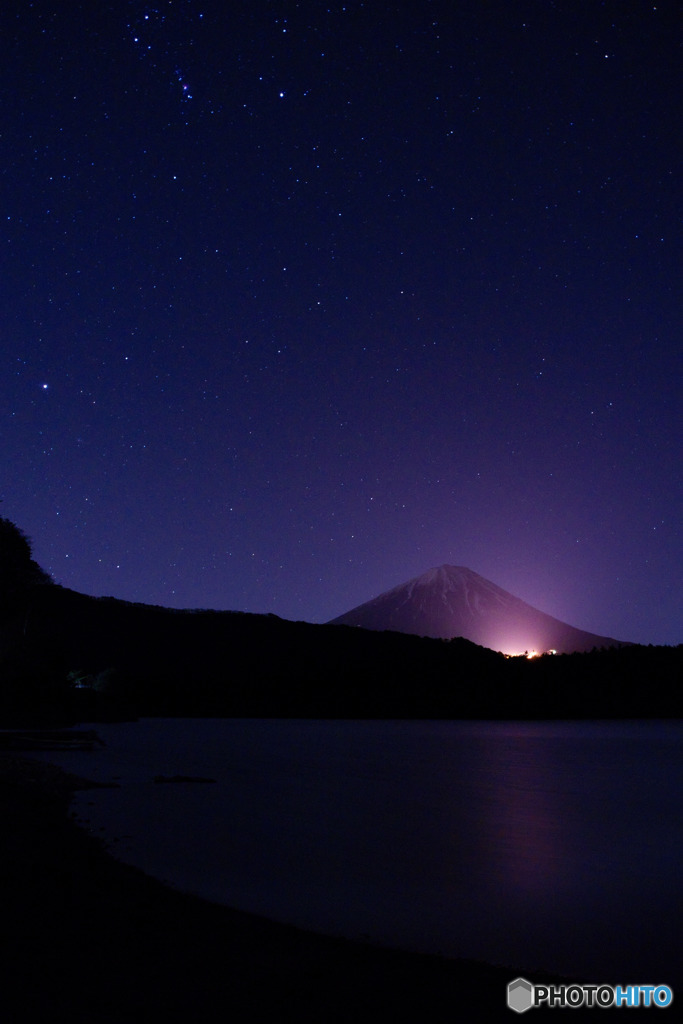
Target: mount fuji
452	601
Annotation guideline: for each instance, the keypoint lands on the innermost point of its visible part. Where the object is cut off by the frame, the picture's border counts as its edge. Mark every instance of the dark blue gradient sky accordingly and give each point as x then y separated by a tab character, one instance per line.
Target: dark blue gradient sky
299	301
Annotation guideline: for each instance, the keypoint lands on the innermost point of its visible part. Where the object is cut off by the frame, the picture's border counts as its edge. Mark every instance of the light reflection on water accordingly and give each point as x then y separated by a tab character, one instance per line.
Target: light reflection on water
555	845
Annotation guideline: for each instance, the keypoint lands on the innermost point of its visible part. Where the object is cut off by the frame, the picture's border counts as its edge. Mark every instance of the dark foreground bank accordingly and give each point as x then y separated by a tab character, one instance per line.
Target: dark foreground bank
86	938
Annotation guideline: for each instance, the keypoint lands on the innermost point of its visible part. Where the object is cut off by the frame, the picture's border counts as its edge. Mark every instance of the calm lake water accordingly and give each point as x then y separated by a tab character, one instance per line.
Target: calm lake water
555	845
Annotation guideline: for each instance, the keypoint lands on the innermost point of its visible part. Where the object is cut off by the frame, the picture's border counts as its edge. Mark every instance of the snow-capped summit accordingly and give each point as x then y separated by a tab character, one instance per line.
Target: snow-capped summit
451	601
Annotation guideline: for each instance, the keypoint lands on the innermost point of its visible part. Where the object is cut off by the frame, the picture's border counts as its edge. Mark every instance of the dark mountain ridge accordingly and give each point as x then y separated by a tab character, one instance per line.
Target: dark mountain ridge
66	656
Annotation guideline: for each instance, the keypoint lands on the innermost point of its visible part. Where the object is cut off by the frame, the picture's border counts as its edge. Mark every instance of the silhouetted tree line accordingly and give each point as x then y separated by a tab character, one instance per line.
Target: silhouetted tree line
30	674
69	655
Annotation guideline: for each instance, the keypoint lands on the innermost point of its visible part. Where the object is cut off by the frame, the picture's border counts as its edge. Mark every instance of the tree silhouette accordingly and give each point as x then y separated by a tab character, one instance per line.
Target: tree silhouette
18	570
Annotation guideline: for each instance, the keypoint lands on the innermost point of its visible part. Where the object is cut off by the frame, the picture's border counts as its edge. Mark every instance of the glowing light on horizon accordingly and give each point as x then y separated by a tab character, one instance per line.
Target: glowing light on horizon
527	653
517	649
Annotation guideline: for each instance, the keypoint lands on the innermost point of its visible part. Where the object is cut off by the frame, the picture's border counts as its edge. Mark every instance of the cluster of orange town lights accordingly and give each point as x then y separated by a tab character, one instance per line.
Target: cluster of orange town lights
530	654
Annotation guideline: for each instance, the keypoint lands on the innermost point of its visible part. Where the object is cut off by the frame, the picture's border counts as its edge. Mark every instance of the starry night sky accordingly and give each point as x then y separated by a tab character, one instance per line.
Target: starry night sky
301	300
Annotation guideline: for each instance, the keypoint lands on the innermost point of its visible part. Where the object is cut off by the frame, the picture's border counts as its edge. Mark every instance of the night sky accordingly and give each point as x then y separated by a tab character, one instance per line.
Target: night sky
301	300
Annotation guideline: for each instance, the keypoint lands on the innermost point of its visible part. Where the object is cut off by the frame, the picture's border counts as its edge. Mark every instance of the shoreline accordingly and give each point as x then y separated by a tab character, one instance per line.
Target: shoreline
92	939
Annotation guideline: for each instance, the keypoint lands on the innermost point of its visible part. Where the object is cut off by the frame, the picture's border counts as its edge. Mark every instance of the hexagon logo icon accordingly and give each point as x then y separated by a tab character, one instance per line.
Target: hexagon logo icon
520	995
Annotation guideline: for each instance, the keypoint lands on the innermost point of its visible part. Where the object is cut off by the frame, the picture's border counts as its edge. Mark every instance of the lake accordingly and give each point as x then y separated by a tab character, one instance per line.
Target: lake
554	845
